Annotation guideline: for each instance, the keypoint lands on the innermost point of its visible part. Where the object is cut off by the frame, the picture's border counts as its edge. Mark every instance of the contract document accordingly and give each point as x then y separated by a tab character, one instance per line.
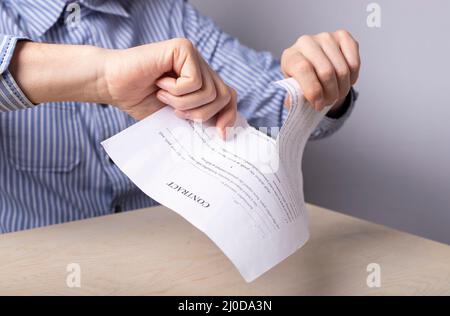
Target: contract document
245	193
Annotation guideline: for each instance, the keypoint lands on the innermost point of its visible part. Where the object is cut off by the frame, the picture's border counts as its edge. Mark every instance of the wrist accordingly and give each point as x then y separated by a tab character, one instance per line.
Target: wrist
86	79
56	73
100	92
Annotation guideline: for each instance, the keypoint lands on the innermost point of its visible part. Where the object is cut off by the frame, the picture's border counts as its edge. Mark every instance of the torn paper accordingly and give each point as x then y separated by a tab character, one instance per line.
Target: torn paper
245	194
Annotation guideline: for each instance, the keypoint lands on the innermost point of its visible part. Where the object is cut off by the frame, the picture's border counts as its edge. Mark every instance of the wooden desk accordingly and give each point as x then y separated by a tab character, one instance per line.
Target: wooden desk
155	251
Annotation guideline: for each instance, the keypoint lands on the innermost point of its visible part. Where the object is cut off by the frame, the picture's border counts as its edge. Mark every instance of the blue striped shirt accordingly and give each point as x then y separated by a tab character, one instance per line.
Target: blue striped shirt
52	167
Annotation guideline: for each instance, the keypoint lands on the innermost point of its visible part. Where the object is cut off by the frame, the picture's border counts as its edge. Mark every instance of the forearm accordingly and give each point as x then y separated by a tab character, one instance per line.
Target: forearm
54	73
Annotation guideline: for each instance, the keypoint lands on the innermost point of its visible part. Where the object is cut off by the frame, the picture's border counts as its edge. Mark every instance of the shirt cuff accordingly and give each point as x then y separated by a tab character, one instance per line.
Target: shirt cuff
329	126
11	96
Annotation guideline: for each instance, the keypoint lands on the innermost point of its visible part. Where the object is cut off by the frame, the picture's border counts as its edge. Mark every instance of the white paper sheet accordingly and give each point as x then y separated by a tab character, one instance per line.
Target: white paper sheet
246	193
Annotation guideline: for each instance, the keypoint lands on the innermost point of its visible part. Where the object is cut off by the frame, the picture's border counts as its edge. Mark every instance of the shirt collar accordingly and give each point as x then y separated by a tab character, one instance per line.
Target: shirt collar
115	7
40	15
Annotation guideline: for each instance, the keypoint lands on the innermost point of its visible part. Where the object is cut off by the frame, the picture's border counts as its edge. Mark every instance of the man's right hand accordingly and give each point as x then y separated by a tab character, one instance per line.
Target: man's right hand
142	79
137	80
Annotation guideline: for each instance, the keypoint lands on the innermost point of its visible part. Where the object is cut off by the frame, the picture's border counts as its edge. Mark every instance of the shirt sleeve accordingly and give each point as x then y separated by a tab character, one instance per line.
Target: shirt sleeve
329	126
249	72
11	96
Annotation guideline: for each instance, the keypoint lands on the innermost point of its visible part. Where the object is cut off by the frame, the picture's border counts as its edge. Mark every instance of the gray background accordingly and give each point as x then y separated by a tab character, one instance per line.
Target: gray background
391	163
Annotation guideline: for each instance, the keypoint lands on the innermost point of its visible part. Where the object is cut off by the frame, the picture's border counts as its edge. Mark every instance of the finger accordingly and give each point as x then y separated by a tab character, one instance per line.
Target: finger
350	49
146	107
226	118
186	66
299	68
206	112
323	68
196	99
334	54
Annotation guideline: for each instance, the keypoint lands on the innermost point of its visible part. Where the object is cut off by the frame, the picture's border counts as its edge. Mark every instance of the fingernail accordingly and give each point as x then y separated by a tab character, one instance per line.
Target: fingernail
222	133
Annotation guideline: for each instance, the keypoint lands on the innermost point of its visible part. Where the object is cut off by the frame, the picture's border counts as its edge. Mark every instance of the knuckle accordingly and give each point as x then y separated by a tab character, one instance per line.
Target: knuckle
303	39
286	53
313	92
289	52
326	74
222	101
304	66
325	36
342	33
354	65
226	98
285	56
184	42
342	72
196	83
211	94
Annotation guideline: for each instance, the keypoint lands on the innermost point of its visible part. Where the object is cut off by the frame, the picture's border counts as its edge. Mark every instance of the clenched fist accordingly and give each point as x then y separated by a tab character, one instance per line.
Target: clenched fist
142	79
325	65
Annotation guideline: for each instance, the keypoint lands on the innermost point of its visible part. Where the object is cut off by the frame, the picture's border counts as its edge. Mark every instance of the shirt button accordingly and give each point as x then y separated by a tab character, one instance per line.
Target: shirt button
117	209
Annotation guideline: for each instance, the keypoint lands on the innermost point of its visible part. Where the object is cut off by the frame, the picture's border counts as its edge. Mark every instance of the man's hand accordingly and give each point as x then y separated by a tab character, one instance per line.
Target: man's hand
325	65
137	80
143	79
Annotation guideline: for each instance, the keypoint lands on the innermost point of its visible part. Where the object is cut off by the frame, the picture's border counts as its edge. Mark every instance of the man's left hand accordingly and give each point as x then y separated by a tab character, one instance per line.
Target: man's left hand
325	65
